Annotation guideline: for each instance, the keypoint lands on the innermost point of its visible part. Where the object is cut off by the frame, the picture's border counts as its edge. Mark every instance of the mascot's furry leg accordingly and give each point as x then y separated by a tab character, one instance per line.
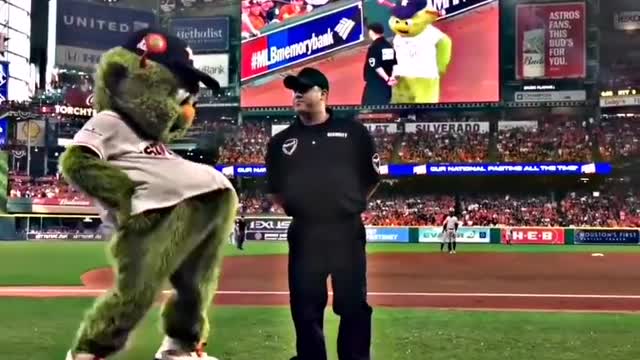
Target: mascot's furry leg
184	314
416	91
181	243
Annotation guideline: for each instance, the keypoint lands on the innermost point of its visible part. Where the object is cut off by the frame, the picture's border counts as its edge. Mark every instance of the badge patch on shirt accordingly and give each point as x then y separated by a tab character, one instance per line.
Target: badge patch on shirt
387	54
337	134
372	62
289	146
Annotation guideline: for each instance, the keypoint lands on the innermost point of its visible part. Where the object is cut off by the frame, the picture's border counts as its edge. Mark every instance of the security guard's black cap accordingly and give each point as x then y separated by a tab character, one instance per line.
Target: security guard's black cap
306	79
172	52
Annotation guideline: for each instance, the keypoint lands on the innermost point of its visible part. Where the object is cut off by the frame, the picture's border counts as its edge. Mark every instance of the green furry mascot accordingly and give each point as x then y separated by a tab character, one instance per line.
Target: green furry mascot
171	216
423	52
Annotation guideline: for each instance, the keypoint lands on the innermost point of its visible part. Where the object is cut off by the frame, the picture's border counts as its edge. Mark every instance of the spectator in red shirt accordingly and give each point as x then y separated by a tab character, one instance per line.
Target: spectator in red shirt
296	8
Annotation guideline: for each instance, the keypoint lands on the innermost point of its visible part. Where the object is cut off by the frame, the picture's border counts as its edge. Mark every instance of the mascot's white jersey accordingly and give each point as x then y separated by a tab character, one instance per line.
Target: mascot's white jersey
417	55
162	178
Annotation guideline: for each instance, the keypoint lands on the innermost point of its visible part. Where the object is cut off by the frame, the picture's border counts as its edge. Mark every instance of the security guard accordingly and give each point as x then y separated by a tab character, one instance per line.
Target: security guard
241	223
322	169
378	68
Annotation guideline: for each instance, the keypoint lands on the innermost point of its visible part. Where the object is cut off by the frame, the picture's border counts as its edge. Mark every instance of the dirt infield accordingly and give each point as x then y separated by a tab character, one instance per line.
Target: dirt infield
578	282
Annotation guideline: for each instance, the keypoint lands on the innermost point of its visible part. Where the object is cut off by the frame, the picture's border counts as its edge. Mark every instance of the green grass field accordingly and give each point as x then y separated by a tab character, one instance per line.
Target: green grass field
41	329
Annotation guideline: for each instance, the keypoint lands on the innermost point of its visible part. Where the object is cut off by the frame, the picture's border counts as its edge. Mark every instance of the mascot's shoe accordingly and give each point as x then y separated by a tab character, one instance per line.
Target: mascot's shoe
172	350
82	356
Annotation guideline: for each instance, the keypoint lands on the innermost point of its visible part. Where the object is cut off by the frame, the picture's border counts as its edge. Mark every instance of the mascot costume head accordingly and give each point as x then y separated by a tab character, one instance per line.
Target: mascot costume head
170	216
422	50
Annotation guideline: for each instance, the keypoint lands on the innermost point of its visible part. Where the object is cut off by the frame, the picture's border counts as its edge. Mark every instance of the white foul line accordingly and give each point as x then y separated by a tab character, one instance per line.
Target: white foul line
6	291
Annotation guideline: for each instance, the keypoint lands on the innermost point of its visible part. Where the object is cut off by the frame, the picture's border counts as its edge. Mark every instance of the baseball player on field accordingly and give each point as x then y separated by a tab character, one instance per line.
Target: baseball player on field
449	229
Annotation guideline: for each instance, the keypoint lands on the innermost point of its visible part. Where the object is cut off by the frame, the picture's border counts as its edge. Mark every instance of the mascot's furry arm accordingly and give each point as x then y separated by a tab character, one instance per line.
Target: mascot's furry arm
443	53
97	178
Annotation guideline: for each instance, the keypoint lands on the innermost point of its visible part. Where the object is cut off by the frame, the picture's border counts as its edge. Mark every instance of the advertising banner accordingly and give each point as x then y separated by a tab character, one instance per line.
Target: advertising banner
519	169
387	234
4	80
387	128
547	96
332	38
533	235
202	34
402	170
465	234
65	236
84	30
267	228
4	131
75	111
448	127
508	125
302	41
216	65
606	236
551	41
63	206
614	101
626	20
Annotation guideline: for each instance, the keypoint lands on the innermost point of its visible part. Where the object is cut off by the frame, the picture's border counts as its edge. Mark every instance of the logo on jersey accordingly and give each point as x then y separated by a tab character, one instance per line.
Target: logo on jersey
289	146
372	62
375	161
157	149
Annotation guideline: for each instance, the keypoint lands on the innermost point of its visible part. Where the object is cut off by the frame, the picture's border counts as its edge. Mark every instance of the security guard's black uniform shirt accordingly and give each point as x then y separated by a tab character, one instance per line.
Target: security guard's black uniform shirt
322	172
380	54
242	225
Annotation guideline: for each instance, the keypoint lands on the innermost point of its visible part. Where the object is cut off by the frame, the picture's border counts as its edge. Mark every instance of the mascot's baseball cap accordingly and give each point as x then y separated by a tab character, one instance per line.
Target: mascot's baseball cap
172	52
306	79
407	9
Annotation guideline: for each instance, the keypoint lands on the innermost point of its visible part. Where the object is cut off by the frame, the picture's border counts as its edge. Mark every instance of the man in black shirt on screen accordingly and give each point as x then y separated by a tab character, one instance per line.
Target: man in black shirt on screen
378	67
322	170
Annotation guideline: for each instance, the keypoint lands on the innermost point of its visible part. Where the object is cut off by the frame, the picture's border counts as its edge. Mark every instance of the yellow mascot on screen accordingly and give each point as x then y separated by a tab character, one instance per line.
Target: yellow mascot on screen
422	50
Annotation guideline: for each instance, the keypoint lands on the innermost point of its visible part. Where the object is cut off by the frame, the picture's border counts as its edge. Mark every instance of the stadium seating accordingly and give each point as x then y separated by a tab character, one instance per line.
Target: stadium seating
23	186
618	139
556	139
421	147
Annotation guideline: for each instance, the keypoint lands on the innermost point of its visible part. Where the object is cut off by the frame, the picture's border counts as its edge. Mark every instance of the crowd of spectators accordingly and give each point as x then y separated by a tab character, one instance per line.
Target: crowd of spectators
606	210
447	147
405	211
247	145
258	14
24	186
557	139
618	138
621	74
509	210
553	140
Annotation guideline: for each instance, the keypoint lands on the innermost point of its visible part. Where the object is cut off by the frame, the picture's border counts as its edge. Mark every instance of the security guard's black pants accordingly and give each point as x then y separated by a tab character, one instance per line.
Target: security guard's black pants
376	93
240	239
317	250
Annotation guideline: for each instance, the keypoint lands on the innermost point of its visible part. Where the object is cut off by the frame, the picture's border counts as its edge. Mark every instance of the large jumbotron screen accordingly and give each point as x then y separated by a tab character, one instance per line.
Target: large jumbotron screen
333	37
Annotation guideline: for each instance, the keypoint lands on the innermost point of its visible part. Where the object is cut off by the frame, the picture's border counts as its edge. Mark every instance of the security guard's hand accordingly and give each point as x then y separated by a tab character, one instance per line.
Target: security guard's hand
392	81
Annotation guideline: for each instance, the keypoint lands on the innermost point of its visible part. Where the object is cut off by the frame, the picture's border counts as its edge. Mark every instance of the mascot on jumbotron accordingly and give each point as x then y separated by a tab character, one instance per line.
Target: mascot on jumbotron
422	50
170	216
